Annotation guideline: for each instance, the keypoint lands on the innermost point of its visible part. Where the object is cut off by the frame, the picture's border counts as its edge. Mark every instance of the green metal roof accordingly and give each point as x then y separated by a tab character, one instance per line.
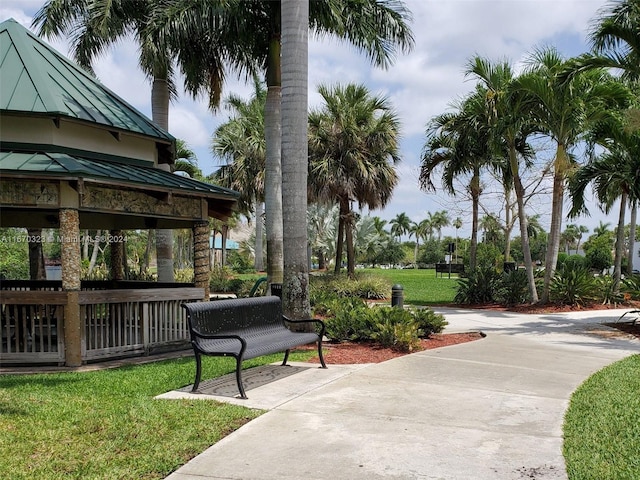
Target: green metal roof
37	80
65	165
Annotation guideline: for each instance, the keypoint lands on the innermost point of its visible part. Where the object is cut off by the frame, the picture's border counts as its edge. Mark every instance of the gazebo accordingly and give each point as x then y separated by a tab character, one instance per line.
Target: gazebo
74	156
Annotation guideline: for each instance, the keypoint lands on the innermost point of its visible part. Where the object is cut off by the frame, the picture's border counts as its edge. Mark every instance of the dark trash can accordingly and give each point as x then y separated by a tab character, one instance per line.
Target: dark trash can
397	296
276	289
509	267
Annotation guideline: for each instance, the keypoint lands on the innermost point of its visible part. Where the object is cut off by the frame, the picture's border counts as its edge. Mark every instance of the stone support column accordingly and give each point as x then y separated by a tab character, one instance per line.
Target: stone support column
71	271
201	265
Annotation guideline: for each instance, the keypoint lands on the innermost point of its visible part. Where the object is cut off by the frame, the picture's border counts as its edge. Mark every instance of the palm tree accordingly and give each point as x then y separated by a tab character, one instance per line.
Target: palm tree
439	220
491	227
615	175
400	225
353	147
295	146
322	228
377	27
615	41
569	236
564	109
457	223
240	142
510	125
459	143
602	228
95	25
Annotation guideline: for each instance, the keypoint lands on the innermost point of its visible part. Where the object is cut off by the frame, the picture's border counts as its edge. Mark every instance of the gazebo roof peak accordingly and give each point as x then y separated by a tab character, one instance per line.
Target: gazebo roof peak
37	80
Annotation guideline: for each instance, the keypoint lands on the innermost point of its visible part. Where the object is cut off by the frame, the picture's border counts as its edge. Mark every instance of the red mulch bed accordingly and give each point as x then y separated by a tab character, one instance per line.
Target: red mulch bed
355	353
349	353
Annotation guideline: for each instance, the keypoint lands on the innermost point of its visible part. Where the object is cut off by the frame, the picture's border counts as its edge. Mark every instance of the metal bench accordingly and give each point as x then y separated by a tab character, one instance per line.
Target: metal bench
245	328
449	268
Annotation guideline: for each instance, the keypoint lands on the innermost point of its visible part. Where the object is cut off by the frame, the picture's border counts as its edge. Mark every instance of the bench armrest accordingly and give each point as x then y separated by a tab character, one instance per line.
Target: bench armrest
310	320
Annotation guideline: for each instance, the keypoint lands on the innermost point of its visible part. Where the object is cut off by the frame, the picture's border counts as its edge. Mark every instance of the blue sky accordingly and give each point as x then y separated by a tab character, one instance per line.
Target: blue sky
419	85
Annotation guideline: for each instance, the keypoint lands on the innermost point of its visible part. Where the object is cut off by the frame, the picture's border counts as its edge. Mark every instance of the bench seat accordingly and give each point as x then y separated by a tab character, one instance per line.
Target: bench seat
245	328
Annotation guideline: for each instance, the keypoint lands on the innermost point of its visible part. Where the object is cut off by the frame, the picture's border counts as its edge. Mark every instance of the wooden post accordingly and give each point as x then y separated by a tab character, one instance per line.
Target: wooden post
201	265
71	270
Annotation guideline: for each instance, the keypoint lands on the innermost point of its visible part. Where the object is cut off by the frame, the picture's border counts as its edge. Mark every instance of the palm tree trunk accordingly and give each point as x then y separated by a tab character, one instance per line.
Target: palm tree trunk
259	260
223	246
555	231
164	237
617	262
94	253
351	256
632	236
522	217
475	202
339	243
507	226
295	145
273	165
36	255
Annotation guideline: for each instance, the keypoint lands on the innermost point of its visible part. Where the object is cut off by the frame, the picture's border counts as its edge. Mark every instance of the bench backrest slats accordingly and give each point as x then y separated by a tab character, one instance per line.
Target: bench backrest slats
241	314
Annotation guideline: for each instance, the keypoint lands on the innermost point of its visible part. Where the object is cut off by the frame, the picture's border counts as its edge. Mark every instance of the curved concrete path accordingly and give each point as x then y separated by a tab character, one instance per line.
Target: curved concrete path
490	409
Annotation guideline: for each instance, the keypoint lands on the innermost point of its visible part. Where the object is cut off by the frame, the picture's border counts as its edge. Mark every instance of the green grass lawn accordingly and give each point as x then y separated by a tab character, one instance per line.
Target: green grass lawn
602	425
421	287
107	425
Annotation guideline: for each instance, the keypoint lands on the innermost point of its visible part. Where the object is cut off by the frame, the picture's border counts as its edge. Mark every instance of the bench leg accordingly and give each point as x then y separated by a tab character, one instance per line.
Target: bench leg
239	378
324	365
198	372
286	357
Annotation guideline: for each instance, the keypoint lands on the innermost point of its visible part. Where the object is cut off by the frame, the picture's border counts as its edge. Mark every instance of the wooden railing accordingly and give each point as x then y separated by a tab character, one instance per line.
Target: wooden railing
29	326
117	323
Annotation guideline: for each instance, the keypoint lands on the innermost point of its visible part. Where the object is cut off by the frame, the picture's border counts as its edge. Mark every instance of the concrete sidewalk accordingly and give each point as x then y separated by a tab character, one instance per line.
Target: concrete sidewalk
490	409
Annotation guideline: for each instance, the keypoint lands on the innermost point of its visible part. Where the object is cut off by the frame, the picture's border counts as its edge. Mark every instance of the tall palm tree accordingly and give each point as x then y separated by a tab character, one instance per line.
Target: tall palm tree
95	25
615	175
353	148
240	142
510	126
295	146
564	109
379	28
458	143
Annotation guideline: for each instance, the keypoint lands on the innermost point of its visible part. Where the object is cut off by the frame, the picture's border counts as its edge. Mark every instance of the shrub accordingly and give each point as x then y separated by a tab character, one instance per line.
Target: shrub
348	320
571	261
477	287
395	328
512	288
184	275
240	263
428	322
631	287
573	286
222	280
605	292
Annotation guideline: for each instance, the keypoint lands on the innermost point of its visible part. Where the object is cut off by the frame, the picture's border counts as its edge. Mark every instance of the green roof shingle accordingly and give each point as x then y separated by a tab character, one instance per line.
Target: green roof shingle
65	165
35	79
